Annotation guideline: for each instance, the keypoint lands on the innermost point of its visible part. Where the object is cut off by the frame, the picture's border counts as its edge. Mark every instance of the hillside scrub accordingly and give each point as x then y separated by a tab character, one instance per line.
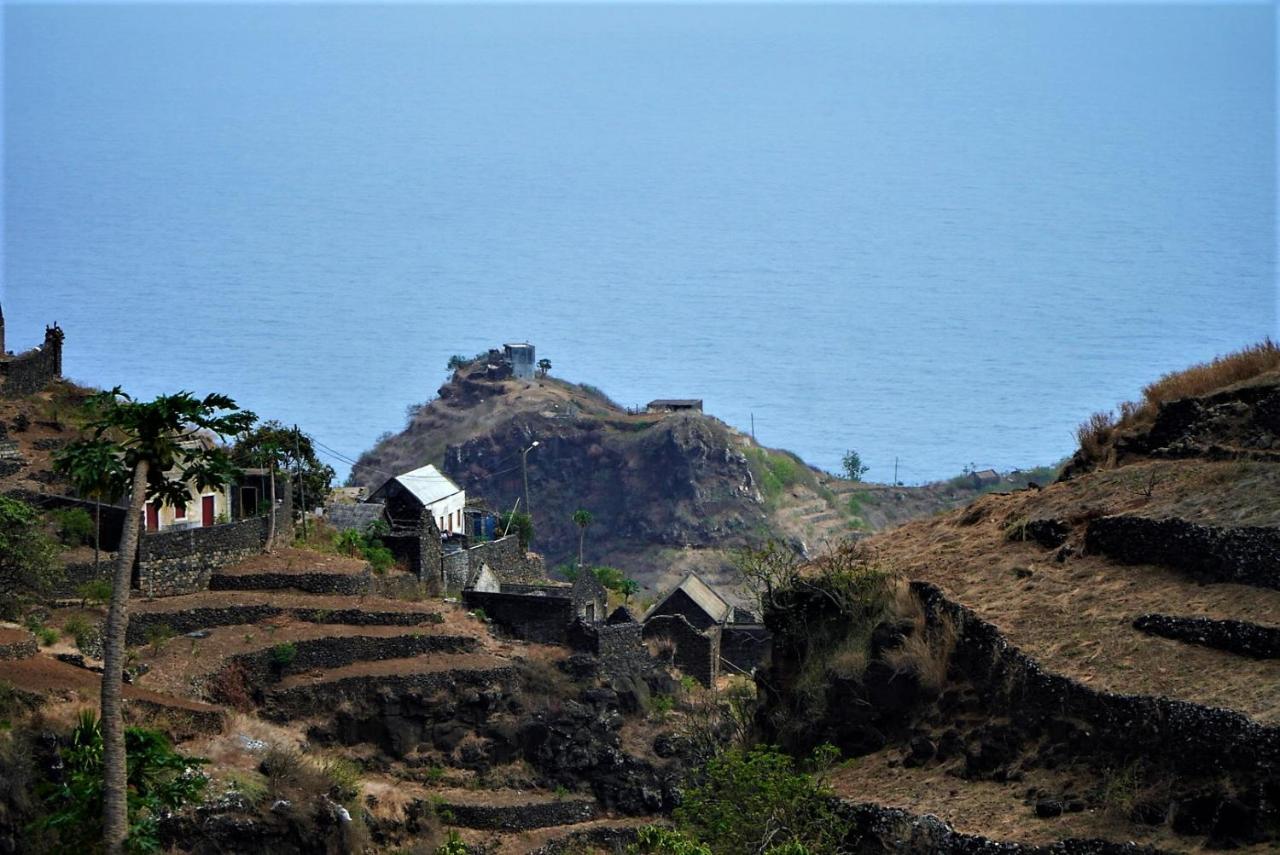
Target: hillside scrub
1098	433
754	800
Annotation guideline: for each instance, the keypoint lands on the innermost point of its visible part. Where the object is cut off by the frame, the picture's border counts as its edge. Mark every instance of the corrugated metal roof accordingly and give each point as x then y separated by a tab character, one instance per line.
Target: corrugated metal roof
428	484
702	594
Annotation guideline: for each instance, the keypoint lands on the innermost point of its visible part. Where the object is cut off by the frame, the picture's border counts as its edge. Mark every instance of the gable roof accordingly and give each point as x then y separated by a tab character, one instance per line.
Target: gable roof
702	594
427	484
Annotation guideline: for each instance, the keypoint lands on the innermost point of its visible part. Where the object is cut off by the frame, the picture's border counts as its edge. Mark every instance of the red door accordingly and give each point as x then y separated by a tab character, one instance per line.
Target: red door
153	516
206	510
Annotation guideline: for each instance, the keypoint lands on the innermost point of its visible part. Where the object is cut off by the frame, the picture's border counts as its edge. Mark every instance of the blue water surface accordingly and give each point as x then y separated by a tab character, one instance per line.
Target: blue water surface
941	233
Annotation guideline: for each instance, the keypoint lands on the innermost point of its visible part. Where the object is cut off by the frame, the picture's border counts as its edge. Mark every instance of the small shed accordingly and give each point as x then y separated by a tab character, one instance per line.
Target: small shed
985	478
522	359
674	405
694	600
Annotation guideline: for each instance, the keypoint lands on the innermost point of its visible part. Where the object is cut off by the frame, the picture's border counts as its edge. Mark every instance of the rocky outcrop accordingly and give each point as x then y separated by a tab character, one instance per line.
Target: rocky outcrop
1242	422
677	481
1234	636
1247	555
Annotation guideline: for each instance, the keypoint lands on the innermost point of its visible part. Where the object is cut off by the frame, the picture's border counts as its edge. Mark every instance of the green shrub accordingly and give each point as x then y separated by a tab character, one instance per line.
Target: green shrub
657	840
757	800
160	780
95	592
282	655
380	559
75	526
343	778
158	634
77	628
48	636
453	845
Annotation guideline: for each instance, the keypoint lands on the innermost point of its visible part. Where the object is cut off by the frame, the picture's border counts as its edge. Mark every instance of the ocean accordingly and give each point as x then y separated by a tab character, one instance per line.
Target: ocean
938	233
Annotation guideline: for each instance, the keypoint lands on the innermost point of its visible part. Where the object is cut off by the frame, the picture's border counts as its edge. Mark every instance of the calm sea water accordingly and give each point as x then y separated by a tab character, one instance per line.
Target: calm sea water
943	233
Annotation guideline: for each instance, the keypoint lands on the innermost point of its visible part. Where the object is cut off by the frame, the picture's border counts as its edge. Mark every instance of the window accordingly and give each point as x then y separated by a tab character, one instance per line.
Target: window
180	511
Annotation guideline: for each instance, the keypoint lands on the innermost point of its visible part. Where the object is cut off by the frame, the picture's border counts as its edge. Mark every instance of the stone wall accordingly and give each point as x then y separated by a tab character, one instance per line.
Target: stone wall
181	561
504	556
566	811
187	620
1249	555
1191	738
29	372
419	549
696	653
744	647
1234	636
346	584
543	619
17	644
263	667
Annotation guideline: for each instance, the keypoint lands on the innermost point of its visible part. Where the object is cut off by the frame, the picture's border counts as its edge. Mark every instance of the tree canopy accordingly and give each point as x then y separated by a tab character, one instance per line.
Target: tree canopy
291	450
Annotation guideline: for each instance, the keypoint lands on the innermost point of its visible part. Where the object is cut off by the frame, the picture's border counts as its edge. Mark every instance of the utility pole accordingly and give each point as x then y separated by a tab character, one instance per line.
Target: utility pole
895	470
302	485
753	427
524	470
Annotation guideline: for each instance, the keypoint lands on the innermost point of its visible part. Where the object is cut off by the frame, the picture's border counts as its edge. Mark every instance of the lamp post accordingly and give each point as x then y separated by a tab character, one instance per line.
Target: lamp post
524	470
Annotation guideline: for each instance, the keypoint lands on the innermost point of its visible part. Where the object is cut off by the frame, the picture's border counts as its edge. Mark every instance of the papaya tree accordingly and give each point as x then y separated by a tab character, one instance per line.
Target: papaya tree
148	446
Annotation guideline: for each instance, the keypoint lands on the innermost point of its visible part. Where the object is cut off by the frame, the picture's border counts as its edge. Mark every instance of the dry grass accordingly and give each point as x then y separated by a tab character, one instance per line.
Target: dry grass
1097	434
1219	373
1075	617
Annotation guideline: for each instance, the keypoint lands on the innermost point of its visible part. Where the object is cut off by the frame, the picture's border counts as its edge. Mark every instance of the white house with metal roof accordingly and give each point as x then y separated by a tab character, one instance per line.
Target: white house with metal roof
426	487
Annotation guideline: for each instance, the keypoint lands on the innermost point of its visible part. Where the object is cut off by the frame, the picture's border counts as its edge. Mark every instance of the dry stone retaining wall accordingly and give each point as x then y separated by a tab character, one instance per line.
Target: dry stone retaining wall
347	584
1234	636
189	620
567	811
263	667
22	648
1248	555
1192	738
181	561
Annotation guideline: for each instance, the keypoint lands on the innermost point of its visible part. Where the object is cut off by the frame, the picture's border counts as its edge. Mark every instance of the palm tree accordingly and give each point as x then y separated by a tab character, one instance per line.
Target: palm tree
627	589
581	519
142	445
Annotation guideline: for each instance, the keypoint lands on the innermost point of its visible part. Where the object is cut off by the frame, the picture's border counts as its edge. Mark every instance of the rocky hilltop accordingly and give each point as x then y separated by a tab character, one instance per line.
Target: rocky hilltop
668	492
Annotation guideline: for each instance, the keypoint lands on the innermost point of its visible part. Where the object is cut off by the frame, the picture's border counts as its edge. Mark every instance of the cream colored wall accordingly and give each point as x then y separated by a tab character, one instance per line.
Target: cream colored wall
221	508
448	513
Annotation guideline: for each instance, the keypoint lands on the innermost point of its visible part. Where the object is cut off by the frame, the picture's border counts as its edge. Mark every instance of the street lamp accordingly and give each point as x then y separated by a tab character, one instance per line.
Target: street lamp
524	470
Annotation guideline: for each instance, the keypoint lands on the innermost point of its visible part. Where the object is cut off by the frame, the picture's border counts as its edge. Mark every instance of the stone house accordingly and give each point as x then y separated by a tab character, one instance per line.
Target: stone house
406	496
203	508
984	478
708	634
694	600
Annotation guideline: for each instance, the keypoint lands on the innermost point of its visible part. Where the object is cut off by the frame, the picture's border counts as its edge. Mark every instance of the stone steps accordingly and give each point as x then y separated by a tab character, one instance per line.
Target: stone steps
365	684
231	608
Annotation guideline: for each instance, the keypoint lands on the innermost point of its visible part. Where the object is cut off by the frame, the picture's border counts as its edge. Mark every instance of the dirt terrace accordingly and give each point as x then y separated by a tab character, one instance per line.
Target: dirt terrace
999	811
180	664
281	599
1075	617
294	560
46	675
425	664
